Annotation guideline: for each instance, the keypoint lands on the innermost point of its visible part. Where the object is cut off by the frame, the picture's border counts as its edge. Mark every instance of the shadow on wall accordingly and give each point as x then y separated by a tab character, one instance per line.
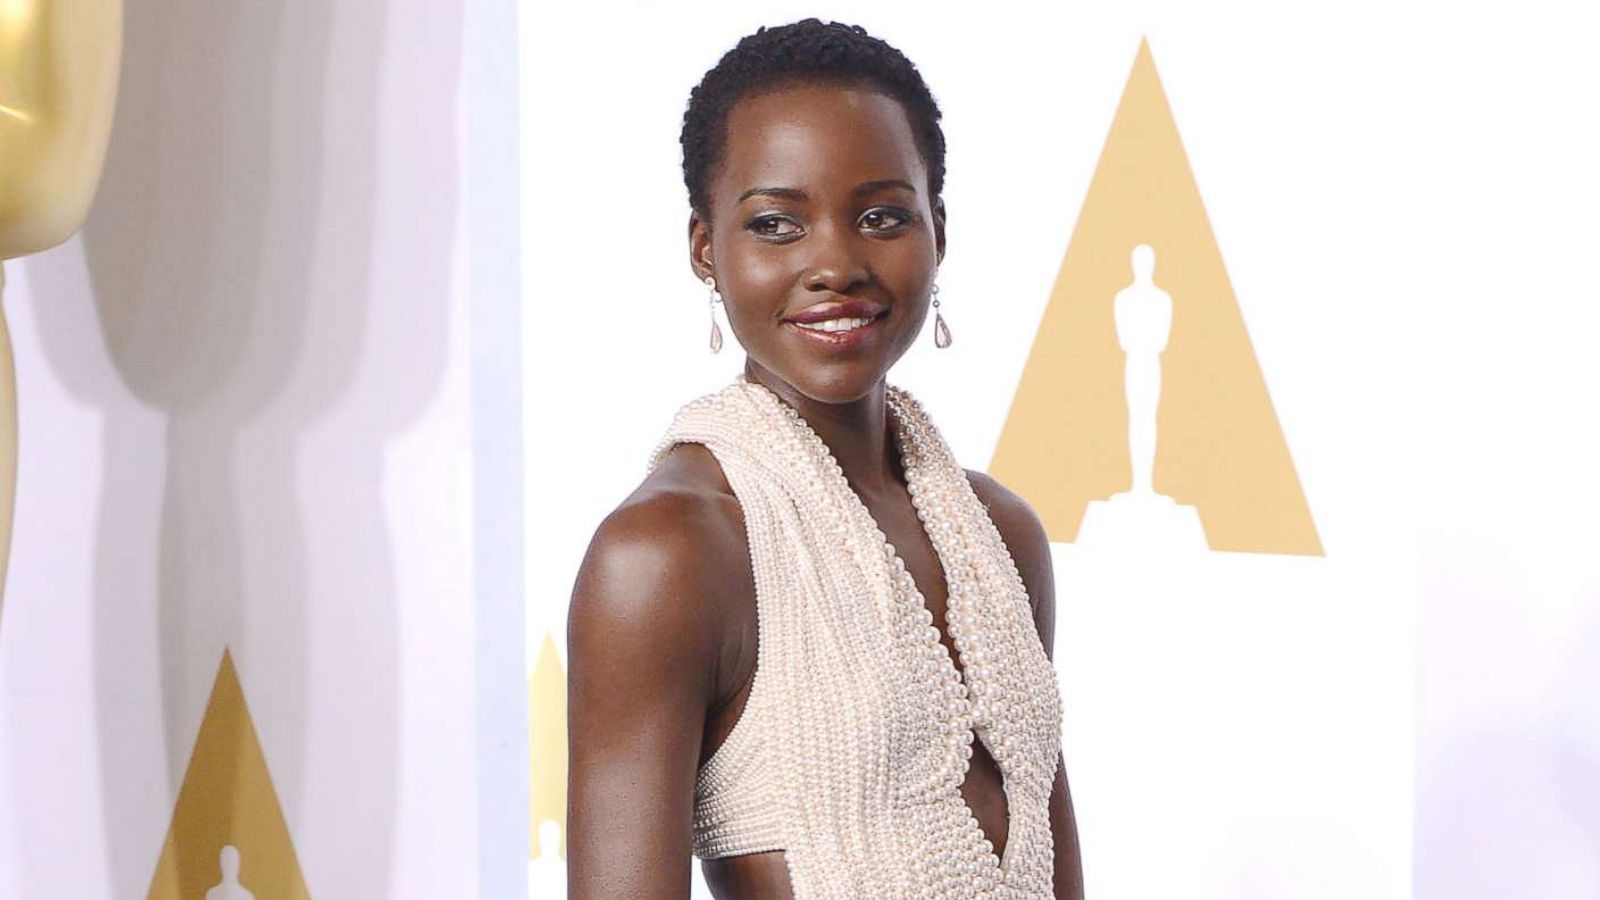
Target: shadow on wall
260	303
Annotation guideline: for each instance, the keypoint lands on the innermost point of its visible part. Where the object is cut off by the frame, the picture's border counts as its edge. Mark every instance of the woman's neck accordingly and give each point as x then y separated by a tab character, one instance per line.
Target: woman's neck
856	432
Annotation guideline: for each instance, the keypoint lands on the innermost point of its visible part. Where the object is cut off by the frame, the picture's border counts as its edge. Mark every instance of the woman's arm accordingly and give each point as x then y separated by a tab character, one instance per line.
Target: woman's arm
1025	537
644	641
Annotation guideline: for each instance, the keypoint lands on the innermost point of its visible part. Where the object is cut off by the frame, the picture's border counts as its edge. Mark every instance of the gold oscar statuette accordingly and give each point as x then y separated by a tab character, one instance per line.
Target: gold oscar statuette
58	89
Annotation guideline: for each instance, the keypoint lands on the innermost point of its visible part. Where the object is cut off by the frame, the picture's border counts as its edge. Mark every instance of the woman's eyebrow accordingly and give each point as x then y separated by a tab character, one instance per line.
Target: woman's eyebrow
779	192
865	187
870	186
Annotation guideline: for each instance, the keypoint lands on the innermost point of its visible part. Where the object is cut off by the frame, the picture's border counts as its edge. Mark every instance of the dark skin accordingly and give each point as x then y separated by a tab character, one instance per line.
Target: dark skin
821	195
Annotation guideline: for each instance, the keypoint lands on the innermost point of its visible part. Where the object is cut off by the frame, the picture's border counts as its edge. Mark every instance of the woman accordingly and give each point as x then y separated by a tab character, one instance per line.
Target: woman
809	648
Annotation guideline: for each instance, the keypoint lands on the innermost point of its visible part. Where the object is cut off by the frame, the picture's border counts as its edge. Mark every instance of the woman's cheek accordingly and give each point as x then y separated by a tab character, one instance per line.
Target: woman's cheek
761	282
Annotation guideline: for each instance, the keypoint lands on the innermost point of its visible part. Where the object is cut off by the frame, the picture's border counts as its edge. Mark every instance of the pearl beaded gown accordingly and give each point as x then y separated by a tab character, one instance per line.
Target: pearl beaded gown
855	738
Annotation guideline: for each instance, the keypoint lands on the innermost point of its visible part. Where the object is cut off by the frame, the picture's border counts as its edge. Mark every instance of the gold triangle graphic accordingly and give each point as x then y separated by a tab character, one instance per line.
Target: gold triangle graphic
227	800
547	715
1219	447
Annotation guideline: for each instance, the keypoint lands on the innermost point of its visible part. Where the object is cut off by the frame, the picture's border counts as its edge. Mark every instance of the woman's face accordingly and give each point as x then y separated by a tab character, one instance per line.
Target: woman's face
822	236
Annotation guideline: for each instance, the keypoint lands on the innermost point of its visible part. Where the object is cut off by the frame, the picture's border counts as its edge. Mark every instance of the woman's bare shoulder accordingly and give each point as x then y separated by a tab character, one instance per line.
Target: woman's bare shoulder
662	566
1018	524
1025	538
683	510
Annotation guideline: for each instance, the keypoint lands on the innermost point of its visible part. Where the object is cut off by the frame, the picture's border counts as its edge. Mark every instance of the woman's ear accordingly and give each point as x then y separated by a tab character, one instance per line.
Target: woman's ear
700	246
938	227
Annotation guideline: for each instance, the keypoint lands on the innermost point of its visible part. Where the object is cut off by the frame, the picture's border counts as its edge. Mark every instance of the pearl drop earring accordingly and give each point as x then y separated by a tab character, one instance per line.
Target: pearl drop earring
941	331
715	298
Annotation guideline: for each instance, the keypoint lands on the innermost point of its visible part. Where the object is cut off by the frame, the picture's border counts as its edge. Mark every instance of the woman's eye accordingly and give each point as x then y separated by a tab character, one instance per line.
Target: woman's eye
773	226
884	219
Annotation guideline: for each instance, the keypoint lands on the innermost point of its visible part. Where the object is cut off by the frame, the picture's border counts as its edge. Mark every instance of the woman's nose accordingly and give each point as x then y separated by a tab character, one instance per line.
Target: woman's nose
837	261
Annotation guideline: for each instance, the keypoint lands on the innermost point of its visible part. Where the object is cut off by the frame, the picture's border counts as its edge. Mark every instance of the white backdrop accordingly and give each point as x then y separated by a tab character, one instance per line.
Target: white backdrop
1403	197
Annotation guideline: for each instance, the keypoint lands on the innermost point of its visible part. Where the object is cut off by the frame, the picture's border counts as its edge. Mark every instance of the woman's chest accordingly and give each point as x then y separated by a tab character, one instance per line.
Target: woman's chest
904	530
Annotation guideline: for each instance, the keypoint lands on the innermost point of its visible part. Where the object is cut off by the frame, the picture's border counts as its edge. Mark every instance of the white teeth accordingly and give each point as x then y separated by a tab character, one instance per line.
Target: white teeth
834	324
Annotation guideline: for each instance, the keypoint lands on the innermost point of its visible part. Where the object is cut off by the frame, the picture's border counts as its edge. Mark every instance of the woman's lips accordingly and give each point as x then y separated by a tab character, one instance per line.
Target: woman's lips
838	324
840	332
839	309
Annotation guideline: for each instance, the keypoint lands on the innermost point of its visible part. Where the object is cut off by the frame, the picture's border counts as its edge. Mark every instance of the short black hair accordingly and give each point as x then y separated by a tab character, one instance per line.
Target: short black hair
806	51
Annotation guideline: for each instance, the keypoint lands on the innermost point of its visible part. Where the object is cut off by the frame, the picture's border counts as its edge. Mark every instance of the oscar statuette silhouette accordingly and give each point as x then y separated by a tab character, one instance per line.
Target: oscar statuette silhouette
1140	520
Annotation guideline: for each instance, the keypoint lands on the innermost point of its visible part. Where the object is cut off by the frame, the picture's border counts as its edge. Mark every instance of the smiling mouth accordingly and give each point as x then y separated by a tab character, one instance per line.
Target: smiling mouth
841	332
837	325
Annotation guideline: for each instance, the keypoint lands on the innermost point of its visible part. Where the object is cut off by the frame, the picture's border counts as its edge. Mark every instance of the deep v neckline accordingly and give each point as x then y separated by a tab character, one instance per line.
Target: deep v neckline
955	670
911	465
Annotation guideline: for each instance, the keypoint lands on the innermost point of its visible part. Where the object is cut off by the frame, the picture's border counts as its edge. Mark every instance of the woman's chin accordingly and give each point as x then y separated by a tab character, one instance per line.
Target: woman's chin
833	384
